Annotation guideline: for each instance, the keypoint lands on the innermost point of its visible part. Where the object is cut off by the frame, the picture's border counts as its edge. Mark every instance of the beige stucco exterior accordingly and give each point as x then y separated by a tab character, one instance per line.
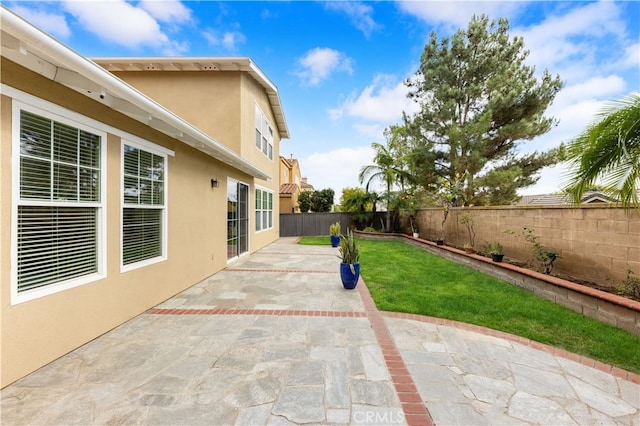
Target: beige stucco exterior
222	105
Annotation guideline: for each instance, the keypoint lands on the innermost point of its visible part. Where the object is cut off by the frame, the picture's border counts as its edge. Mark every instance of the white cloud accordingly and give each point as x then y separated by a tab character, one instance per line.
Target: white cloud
228	39
118	22
552	180
593	88
457	14
630	59
318	64
170	11
576	107
361	14
375	131
336	169
49	22
383	100
575	44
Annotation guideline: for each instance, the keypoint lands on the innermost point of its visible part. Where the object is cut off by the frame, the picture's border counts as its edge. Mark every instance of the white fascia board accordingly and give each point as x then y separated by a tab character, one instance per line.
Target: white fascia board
41	53
204	64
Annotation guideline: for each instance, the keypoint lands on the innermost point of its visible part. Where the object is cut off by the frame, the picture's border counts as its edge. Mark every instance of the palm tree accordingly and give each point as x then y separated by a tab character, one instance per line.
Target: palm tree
358	203
388	168
609	150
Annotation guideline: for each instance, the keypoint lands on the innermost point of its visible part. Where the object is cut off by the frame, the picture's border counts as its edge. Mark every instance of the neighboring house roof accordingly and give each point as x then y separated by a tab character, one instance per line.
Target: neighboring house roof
597	197
306	186
563	199
35	50
291	162
288	188
204	64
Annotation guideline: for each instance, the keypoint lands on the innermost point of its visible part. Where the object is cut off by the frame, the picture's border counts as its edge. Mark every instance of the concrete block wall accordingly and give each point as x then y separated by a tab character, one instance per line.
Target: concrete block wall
597	243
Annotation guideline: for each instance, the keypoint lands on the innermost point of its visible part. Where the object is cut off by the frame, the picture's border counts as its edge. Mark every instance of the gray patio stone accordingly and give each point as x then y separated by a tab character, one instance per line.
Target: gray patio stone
545	385
629	392
304	369
256	391
497	392
537	410
369	392
338	416
256	415
306	373
354	362
286	352
421	357
328	353
301	404
374	365
602	401
239	358
122	416
337	385
451	413
192	415
482	366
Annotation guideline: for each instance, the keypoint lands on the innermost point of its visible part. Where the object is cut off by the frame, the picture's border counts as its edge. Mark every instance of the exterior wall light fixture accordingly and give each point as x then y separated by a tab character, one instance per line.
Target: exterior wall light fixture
214	183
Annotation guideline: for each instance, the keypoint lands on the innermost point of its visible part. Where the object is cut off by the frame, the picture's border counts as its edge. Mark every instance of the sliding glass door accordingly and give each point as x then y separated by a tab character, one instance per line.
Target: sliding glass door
237	218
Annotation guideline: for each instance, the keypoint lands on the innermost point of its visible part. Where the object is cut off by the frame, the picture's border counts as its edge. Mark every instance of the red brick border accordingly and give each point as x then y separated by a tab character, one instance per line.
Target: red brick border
239	311
302	271
414	408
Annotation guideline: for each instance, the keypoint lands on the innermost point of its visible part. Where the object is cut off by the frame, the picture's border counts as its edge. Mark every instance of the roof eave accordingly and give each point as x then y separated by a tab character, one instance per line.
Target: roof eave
204	64
37	51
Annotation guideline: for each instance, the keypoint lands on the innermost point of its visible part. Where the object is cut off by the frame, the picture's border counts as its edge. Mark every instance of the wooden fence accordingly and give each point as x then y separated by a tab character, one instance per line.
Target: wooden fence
311	224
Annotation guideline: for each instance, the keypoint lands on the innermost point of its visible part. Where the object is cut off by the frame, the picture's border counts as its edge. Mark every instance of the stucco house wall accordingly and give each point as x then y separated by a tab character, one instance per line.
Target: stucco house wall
222	103
35	331
290	185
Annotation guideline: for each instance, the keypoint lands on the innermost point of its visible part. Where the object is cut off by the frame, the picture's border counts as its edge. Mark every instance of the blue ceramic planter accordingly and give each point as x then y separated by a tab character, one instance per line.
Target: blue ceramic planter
349	279
335	240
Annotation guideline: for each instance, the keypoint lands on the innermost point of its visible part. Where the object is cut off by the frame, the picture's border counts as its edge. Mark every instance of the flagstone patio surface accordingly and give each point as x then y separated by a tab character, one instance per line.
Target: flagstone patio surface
274	339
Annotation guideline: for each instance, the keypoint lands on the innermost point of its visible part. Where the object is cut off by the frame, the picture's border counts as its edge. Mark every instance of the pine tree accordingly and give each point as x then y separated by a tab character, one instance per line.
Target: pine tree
478	101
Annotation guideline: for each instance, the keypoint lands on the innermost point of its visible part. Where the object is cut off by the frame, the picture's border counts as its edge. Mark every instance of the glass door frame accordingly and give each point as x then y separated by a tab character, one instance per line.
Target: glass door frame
237	218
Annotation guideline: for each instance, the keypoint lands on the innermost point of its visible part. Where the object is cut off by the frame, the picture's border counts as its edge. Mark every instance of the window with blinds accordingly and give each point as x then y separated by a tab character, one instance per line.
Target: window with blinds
264	209
143	213
59	202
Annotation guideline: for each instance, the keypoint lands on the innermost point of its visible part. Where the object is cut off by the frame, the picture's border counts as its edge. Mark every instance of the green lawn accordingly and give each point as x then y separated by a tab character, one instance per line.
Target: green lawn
404	278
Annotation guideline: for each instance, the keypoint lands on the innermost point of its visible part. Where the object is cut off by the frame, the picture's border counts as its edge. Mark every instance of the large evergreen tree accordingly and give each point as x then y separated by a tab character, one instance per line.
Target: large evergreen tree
478	100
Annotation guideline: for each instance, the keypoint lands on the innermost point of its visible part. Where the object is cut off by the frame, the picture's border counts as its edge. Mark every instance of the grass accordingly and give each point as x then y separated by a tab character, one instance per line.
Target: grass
315	241
404	278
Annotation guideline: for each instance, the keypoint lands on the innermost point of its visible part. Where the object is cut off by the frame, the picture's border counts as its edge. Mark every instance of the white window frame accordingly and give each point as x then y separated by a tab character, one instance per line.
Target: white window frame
259	212
162	152
24	102
265	130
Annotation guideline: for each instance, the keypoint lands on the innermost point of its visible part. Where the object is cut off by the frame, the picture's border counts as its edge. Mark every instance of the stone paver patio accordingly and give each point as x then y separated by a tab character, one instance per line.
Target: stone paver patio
275	339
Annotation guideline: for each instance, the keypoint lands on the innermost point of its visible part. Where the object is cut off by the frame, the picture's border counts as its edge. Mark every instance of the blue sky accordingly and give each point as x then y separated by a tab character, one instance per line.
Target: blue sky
340	65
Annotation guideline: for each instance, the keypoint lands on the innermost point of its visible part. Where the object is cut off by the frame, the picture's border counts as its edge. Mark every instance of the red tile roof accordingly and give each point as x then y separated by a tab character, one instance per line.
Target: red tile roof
289	188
